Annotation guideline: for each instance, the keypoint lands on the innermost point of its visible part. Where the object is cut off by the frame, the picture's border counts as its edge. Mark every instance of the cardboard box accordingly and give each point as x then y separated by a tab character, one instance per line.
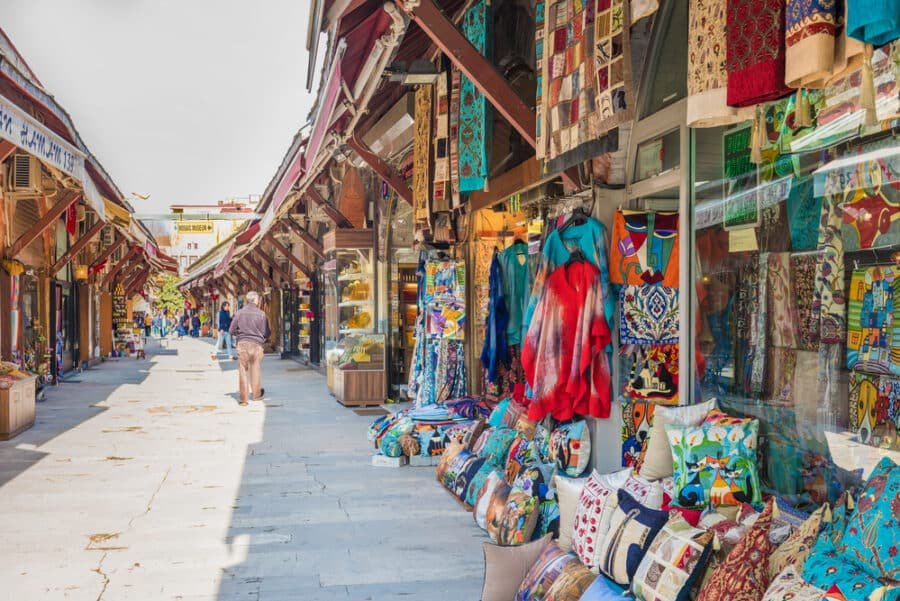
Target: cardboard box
384	461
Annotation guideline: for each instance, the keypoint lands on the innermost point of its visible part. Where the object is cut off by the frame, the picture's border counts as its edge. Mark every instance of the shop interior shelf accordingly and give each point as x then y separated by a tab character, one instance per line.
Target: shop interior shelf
355	303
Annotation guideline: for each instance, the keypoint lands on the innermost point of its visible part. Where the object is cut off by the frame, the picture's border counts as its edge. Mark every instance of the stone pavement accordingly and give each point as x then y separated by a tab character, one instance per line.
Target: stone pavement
144	479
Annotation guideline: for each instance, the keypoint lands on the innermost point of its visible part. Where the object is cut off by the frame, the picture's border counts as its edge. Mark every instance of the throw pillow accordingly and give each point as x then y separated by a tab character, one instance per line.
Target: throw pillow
533	478
542	444
465	475
794	550
519	518
482	439
543	573
715	464
505	568
568	492
825	568
673	562
872	536
496	509
483	500
571	583
496	449
570	448
447	457
788	585
657	457
390	446
744	575
477	483
604	589
519	455
631	531
496	418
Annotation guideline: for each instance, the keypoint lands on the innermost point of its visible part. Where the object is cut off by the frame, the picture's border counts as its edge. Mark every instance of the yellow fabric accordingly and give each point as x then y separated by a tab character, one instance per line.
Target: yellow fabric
116	213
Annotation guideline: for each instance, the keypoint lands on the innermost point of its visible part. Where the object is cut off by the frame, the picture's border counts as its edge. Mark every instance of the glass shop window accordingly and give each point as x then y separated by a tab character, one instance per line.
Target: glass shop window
668	60
797	274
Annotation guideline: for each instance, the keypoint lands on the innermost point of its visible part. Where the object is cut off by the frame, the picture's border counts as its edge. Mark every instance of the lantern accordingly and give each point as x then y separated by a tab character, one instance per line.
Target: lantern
81	272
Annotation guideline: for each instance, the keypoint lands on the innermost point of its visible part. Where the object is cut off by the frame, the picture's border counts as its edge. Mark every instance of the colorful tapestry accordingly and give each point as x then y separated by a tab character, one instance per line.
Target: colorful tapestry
871	204
825	568
788	585
803	211
644	248
759	328
637	419
652	373
874	407
755	51
707	72
782	312
440	199
474	109
873	342
446	321
810	37
422	157
455	81
648	315
571	583
829	303
575	113
540	113
803	280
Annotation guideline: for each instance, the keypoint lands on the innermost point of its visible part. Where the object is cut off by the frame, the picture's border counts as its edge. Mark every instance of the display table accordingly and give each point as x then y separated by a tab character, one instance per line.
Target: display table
16	405
359	387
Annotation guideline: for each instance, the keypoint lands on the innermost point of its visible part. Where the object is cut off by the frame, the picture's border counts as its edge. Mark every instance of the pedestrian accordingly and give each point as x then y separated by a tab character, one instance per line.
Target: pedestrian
148	324
195	325
250	329
225	342
185	325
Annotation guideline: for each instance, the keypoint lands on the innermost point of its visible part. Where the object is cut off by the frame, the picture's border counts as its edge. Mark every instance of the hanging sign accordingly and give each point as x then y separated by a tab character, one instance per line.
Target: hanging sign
36	139
741	209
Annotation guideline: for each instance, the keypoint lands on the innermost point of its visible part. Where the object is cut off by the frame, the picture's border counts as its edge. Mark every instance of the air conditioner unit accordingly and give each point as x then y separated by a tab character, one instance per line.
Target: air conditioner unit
24	174
106	235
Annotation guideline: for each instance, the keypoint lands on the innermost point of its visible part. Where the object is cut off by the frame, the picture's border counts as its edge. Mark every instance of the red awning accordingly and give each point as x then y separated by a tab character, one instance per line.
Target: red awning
323	115
247	235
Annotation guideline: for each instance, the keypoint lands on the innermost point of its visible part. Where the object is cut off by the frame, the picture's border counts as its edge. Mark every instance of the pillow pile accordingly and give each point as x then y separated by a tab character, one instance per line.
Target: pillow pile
543	573
656	460
570	448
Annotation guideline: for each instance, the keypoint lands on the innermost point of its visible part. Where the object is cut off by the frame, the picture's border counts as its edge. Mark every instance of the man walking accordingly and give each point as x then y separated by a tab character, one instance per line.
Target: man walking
250	329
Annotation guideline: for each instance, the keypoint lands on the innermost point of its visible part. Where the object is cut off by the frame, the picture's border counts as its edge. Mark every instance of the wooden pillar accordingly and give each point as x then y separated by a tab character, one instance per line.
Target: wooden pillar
85	348
106	323
6	342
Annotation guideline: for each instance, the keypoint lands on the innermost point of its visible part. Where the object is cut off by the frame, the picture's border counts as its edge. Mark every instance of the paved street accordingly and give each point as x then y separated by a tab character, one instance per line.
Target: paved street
146	480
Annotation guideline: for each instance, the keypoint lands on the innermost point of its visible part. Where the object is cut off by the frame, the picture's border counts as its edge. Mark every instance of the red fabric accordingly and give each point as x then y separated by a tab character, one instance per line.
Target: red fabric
691	516
71	220
755	51
563	352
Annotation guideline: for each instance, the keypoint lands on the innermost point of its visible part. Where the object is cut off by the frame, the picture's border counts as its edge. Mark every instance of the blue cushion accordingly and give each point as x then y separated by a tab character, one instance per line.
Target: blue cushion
825	568
603	589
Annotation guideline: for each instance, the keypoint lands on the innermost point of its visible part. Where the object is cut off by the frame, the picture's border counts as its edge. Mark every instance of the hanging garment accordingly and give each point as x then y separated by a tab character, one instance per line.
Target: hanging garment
495	351
707	104
782	312
755	51
562	354
440	199
474	110
875	22
516	289
645	248
803	281
422	157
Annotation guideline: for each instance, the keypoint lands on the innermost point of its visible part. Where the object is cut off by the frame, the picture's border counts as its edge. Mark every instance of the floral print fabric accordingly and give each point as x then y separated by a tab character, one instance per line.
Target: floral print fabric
474	109
788	585
793	551
544	573
649	315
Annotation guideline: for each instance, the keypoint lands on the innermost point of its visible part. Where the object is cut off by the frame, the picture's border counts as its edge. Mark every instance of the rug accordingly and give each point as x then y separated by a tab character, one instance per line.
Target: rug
474	111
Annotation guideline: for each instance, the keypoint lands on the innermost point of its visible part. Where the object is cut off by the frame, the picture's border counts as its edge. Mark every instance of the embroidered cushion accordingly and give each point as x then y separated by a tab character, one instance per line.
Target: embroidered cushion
788	585
506	567
571	583
744	575
825	568
673	562
570	448
657	457
519	518
631	531
715	464
483	499
872	535
543	573
794	550
477	483
496	449
568	493
872	340
648	315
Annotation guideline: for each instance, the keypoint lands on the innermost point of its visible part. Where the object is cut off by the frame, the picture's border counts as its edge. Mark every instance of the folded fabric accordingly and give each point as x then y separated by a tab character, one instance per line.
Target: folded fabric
875	22
755	51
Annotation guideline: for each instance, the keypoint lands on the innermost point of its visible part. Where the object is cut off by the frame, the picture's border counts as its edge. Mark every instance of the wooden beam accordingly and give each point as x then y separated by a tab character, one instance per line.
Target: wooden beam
305	237
290	256
138	283
126	276
108	251
476	67
248	276
6	150
43	223
339	219
77	247
223	284
260	270
393	179
110	276
275	266
234	283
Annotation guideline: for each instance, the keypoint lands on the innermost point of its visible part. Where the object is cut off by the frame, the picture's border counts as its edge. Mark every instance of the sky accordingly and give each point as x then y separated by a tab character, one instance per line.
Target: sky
190	101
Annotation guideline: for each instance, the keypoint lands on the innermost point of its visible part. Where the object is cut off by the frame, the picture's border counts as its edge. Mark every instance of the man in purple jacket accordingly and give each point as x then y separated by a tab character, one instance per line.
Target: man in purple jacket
250	330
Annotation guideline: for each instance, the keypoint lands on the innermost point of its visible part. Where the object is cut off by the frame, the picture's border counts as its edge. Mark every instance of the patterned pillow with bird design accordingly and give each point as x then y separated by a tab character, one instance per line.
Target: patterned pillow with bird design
715	464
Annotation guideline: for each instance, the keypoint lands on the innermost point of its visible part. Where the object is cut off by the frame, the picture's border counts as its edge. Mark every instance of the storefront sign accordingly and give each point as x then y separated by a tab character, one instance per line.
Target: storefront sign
194	227
741	210
34	138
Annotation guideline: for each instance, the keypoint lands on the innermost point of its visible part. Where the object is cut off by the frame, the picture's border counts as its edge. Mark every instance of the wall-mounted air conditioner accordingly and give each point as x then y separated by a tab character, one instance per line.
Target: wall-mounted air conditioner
24	174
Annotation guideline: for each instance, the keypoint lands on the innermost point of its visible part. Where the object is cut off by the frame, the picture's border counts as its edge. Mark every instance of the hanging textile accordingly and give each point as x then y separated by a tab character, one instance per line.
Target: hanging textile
829	304
817	48
803	280
586	87
516	288
495	350
873	339
755	51
875	22
474	111
707	72
871	203
422	156
758	328
562	354
440	200
644	248
648	315
651	373
642	8
455	80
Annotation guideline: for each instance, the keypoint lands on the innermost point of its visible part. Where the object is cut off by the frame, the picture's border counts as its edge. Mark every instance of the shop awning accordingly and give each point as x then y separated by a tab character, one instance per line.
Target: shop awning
322	121
116	214
247	235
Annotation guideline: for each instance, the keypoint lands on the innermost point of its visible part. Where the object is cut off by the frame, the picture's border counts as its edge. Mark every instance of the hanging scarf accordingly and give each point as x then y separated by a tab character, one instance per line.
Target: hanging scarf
875	22
440	200
818	50
422	155
455	80
707	73
755	51
474	110
495	350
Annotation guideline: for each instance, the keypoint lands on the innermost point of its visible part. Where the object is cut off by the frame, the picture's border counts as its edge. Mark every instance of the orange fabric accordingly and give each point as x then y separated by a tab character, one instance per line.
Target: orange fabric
644	249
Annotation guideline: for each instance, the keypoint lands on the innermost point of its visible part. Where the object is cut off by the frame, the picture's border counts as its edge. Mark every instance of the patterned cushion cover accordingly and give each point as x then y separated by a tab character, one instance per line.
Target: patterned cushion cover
534	479
744	575
465	470
570	448
543	573
872	536
631	531
496	509
604	589
496	449
477	482
794	550
657	456
519	518
715	464
788	585
447	458
571	583
674	560
482	439
519	454
390	446
484	496
825	567
568	493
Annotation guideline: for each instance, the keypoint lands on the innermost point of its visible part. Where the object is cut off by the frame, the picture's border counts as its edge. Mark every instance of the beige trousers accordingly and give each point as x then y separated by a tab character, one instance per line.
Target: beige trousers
250	356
